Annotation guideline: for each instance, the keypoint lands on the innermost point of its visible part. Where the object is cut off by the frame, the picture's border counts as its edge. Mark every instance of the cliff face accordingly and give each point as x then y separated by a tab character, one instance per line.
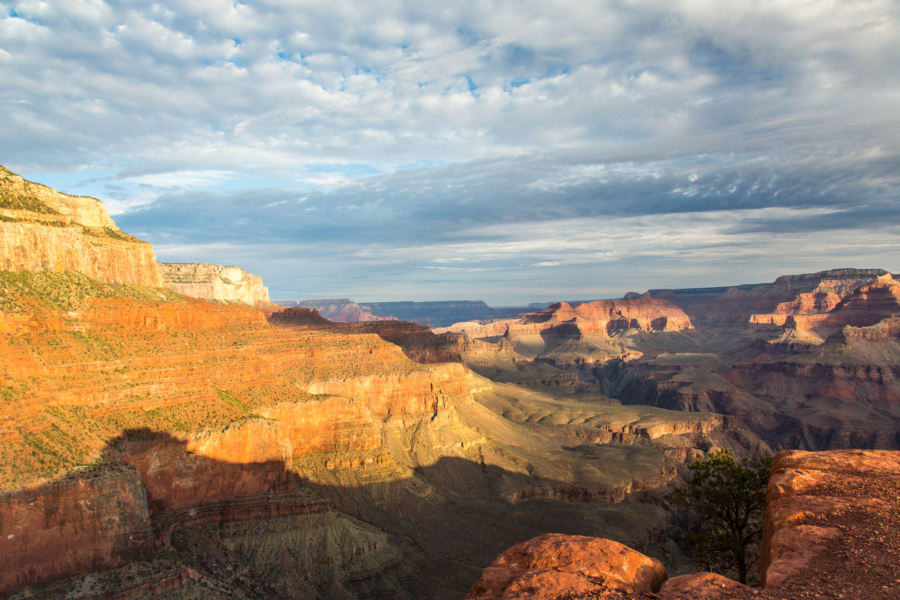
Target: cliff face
208	404
418	342
580	334
607	317
92	519
44	230
770	303
216	283
340	310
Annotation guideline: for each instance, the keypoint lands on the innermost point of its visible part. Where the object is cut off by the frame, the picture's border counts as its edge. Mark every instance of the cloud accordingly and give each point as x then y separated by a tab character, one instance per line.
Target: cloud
390	132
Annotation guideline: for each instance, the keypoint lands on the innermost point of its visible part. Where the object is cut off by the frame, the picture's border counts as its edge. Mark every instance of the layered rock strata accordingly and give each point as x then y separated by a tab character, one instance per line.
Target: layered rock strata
342	310
418	342
208	404
770	303
216	283
45	230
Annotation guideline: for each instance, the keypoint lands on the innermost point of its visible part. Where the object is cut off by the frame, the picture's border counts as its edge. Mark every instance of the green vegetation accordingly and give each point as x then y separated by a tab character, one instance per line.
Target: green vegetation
21	197
727	499
68	291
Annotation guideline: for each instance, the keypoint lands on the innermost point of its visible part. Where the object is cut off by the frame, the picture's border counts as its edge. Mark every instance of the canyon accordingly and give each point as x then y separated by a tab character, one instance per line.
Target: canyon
169	431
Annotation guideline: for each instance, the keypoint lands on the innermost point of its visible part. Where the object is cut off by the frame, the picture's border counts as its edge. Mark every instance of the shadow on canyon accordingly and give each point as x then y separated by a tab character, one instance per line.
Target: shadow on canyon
296	528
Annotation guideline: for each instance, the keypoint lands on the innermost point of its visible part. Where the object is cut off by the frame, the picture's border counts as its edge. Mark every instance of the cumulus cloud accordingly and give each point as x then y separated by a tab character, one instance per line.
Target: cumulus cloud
380	138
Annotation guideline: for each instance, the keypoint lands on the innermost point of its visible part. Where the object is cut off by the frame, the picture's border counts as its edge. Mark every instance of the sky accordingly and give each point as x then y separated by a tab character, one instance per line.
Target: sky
508	151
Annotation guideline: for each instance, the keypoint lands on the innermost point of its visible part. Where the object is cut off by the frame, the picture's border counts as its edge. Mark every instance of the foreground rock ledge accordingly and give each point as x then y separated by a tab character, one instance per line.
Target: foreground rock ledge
832	530
556	566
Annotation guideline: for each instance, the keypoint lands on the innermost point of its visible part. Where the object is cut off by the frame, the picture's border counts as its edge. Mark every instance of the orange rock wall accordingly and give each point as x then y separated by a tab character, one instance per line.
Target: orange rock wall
79	523
30	246
208	403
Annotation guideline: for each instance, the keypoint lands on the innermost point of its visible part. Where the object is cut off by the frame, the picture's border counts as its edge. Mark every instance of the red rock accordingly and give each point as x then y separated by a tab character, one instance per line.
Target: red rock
699	586
609	316
86	521
554	566
790	545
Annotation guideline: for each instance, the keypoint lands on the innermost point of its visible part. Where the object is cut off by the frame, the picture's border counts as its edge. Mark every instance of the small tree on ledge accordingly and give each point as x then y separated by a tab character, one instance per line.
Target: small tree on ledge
729	499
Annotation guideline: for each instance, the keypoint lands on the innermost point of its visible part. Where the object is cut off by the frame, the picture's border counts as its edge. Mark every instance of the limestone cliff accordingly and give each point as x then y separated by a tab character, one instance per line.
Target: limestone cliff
215	283
45	230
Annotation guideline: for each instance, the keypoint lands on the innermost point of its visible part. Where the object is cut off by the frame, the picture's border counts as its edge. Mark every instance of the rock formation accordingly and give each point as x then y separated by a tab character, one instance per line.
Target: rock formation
579	334
44	230
216	283
831	530
832	524
553	566
340	310
418	342
770	303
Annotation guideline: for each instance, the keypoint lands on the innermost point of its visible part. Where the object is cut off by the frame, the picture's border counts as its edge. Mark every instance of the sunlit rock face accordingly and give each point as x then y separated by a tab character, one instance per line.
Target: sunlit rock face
45	230
831	523
831	529
770	303
556	566
215	283
207	406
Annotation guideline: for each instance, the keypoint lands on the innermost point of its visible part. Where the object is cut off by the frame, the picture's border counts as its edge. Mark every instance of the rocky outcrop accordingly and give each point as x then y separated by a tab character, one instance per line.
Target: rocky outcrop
606	317
701	586
340	310
602	318
216	283
44	230
91	519
827	295
770	303
831	522
832	529
555	566
566	334
418	342
207	408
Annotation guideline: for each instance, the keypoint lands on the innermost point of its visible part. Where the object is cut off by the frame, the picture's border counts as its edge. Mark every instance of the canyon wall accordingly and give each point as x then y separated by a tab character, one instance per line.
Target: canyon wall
215	283
44	230
340	310
205	408
770	303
